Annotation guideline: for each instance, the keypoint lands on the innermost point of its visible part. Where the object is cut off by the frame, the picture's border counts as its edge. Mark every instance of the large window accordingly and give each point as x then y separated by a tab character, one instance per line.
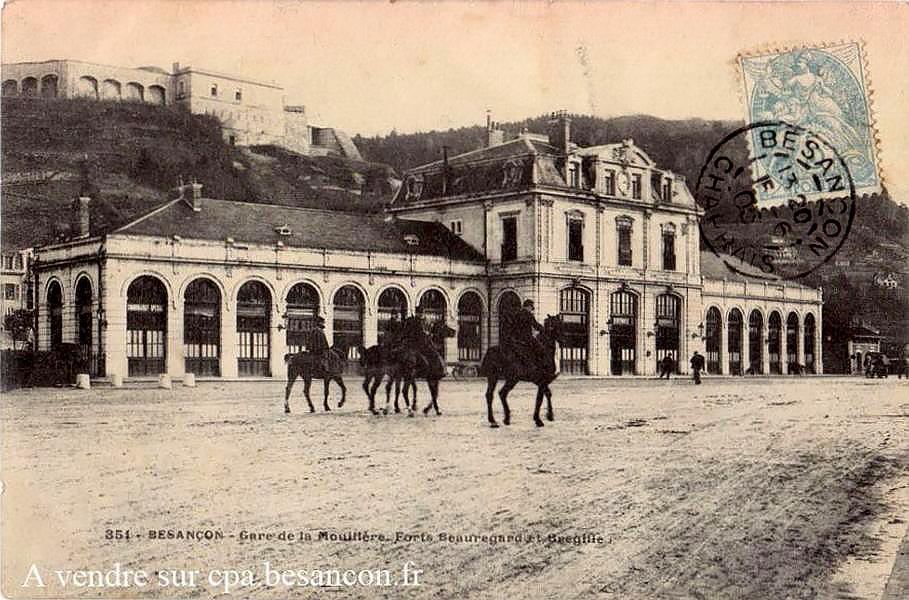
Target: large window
202	327
349	308
668	329
55	311
10	291
253	330
609	182
470	326
575	237
713	339
509	238
392	304
302	310
623	233
574	310
146	326
434	307
636	191
623	316
669	247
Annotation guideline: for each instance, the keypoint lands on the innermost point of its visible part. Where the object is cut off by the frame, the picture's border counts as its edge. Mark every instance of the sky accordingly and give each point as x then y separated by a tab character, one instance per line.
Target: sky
372	67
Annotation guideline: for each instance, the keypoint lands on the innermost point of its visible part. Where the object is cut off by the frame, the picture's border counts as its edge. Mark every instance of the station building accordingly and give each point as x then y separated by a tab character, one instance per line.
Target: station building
599	235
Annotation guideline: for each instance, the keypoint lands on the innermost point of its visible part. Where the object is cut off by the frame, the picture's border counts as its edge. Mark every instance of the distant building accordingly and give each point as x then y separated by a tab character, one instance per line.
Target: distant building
862	340
251	111
600	236
16	284
886	280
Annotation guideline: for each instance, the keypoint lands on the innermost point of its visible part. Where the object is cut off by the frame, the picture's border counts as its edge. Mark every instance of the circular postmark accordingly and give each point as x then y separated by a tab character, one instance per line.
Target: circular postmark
778	200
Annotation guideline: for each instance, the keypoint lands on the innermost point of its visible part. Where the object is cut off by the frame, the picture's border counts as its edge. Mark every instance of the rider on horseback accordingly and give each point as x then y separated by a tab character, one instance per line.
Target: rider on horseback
521	341
318	344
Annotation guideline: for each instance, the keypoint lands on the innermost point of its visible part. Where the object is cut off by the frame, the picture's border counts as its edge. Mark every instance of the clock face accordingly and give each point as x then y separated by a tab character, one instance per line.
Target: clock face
624	183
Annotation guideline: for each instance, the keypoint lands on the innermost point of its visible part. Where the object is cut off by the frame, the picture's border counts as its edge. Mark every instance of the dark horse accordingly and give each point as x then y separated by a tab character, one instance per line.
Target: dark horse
417	358
309	367
500	365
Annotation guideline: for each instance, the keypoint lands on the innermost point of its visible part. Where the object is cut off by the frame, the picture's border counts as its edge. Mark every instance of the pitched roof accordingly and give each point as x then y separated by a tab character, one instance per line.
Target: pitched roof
309	228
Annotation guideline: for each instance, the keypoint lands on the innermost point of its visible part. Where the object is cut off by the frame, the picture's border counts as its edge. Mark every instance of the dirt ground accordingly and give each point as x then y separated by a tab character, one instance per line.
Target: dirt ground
765	488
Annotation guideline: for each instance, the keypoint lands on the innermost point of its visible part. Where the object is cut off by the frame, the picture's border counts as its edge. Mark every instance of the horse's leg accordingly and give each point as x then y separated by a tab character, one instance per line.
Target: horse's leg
434	390
372	393
428	404
343	387
307	381
491	382
550	416
291	377
366	379
325	381
503	394
388	384
539	403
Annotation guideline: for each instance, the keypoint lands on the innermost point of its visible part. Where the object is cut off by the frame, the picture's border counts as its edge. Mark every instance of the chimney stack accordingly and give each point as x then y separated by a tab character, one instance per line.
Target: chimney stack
494	135
560	131
195	199
445	173
81	217
176	68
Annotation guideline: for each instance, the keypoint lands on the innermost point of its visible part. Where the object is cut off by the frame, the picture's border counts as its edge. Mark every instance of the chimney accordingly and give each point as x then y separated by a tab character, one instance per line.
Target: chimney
195	198
445	171
175	68
494	135
560	131
81	217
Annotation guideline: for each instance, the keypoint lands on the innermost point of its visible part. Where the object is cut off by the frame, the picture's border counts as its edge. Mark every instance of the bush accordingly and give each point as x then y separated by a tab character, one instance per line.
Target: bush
25	368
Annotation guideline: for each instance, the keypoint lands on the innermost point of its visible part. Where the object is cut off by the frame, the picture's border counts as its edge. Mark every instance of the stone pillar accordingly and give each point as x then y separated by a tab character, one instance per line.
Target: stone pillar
278	346
800	344
784	349
229	340
176	364
765	348
818	330
370	328
724	344
746	347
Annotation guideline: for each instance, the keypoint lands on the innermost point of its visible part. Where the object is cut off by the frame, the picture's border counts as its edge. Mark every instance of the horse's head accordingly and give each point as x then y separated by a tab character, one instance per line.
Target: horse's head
554	328
440	331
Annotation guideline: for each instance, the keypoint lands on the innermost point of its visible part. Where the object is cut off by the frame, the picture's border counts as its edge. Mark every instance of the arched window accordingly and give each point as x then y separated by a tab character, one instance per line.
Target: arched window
792	341
146	326
574	308
623	318
84	322
135	92
713	339
254	330
509	304
810	359
755	347
157	95
87	87
55	312
774	342
202	328
434	308
392	303
30	87
349	306
111	90
668	328
10	87
302	310
49	86
470	327
734	341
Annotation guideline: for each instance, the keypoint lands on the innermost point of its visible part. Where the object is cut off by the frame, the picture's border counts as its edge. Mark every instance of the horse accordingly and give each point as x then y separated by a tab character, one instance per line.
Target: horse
377	364
309	367
500	365
406	365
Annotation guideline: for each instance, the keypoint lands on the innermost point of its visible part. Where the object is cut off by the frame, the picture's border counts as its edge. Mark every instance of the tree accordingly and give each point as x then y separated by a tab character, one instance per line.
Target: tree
20	324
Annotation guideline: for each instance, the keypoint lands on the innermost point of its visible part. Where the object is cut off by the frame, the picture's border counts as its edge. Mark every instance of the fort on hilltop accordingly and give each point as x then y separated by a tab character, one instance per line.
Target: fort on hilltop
251	111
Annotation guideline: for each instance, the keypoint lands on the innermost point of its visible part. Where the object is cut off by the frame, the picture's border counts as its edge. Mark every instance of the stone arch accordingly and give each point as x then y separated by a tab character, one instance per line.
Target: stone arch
312	282
713	339
669	314
793	326
124	287
476	291
157	95
367	300
471	312
10	87
58	281
574	310
29	87
302	311
508	302
111	89
49	85
735	333
181	290
756	325
203	303
349	304
255	299
410	302
87	87
135	92
146	324
440	290
775	341
54	299
84	301
235	291
809	339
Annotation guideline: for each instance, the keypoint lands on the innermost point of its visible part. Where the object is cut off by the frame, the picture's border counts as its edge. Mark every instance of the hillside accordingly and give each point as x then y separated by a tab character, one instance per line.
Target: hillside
130	156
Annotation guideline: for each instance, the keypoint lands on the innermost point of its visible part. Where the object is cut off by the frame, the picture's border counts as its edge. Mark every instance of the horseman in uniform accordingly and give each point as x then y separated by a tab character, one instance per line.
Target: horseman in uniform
521	340
318	345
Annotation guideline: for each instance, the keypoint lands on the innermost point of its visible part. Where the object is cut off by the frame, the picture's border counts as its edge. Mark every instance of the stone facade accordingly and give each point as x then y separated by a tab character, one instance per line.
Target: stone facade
251	112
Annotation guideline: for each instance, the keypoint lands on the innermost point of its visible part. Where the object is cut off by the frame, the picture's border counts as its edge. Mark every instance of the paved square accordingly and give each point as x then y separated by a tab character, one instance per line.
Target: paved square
758	488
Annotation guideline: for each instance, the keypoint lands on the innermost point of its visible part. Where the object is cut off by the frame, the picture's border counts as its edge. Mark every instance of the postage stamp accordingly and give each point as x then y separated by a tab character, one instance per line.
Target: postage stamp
824	89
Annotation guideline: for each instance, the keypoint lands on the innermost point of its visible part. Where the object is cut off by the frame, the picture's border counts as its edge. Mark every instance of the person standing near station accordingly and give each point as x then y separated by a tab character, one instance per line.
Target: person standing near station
697	365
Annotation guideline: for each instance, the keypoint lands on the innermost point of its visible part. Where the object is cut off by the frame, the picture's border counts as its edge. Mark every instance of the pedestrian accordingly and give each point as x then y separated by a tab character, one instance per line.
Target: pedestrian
666	366
697	365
